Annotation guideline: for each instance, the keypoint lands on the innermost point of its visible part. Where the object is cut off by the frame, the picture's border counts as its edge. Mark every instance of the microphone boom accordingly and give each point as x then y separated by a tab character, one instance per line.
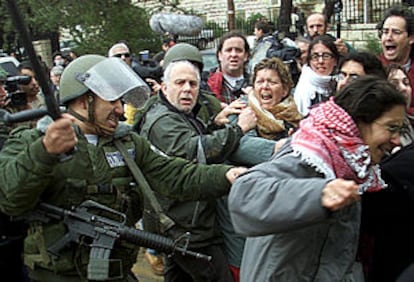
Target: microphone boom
176	24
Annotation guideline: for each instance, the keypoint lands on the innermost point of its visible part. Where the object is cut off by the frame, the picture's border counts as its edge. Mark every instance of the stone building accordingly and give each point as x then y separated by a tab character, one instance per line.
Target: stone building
358	17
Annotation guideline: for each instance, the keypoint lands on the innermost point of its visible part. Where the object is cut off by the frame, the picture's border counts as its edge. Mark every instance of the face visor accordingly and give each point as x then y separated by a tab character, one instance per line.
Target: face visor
112	79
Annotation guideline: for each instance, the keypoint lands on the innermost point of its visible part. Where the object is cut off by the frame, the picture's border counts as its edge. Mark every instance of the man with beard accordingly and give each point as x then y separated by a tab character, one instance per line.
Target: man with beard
317	24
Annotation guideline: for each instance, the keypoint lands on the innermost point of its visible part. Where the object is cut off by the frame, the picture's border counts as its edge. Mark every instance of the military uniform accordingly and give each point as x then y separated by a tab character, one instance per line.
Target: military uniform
97	173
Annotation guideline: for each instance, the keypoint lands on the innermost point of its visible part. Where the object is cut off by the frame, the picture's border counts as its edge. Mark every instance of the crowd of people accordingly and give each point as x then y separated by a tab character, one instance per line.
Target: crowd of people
278	170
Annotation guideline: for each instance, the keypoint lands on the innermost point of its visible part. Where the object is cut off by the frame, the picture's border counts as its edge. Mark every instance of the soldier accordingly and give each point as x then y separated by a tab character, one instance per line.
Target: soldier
96	170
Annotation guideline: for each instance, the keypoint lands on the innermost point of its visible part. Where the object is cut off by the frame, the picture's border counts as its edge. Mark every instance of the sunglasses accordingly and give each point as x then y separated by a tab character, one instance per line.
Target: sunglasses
125	55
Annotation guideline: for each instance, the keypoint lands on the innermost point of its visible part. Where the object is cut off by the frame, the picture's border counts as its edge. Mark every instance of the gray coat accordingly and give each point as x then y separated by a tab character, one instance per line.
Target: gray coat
277	204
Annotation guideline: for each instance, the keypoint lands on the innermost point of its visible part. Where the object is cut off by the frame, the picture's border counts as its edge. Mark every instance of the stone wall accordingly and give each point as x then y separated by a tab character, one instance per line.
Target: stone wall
214	10
358	35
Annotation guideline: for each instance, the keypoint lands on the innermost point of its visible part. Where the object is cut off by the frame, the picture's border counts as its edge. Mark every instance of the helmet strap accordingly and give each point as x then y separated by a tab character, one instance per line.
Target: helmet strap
100	128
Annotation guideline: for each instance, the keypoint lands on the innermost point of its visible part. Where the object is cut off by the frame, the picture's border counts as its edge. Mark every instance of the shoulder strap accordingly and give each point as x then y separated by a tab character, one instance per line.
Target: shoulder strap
166	222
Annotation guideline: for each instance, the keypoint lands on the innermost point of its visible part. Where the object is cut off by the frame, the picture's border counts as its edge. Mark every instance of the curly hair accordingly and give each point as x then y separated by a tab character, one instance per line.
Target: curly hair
278	66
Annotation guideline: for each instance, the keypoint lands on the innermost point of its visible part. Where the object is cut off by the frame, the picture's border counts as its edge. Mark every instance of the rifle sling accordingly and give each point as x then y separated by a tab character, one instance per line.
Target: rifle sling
166	222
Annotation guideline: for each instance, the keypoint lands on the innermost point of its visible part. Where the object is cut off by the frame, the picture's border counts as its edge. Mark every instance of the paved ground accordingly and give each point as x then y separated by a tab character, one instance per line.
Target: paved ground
143	270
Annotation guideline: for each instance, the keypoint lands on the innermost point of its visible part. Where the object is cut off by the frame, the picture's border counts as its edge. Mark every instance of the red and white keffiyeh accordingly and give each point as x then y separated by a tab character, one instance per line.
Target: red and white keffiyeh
329	140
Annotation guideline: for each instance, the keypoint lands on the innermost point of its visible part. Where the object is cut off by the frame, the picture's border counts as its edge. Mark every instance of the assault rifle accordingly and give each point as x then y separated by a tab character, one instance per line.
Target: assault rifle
88	225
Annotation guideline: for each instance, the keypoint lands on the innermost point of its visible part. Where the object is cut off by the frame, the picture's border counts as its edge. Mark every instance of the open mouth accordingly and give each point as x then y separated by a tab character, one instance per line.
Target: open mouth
113	120
266	97
186	101
390	49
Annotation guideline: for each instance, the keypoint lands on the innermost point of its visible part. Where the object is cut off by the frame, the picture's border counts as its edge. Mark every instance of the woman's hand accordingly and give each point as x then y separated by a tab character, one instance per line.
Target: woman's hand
339	193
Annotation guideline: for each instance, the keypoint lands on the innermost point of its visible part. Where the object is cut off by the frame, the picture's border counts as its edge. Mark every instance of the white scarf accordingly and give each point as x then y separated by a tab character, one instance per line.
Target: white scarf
309	85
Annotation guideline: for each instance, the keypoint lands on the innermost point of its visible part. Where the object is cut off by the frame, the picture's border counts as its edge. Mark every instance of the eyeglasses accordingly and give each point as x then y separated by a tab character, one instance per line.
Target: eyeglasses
324	56
386	31
343	75
125	55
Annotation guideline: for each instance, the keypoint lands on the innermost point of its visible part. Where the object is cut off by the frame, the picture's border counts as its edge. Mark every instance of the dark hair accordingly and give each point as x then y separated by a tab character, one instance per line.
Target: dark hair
264	25
400	11
26	64
57	53
328	41
370	63
232	34
392	67
368	97
278	66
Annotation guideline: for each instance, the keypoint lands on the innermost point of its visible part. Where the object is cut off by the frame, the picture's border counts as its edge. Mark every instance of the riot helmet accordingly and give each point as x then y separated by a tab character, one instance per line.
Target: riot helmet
183	52
108	78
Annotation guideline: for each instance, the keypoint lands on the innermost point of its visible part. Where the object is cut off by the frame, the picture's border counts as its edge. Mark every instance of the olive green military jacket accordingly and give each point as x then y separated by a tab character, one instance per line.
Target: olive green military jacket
30	175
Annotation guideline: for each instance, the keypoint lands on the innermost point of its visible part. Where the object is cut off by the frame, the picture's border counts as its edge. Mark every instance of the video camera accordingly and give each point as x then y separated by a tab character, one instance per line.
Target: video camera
14	94
145	67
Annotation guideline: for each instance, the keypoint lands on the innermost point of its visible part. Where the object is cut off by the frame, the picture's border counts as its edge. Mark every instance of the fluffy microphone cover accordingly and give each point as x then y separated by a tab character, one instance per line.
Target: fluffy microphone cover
176	24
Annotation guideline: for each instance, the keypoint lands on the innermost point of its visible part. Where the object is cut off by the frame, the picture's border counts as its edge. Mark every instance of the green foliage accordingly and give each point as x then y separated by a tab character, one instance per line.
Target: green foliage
94	25
218	29
254	17
373	45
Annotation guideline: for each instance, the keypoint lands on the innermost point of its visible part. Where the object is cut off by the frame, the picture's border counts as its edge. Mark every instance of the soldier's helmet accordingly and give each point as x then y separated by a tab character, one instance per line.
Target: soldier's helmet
181	52
108	78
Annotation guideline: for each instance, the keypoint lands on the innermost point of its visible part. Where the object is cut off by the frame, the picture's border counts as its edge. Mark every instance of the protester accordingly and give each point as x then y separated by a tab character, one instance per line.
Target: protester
95	170
271	100
54	76
396	32
301	209
317	24
357	64
386	245
303	44
317	82
172	127
232	53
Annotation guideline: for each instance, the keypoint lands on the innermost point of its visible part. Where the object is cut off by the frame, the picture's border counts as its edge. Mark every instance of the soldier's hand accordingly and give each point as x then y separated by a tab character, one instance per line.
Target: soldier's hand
247	119
234	172
60	136
339	193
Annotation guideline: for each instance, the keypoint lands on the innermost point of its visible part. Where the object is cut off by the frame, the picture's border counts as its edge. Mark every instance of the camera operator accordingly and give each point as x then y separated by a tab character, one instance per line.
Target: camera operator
12	99
32	89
